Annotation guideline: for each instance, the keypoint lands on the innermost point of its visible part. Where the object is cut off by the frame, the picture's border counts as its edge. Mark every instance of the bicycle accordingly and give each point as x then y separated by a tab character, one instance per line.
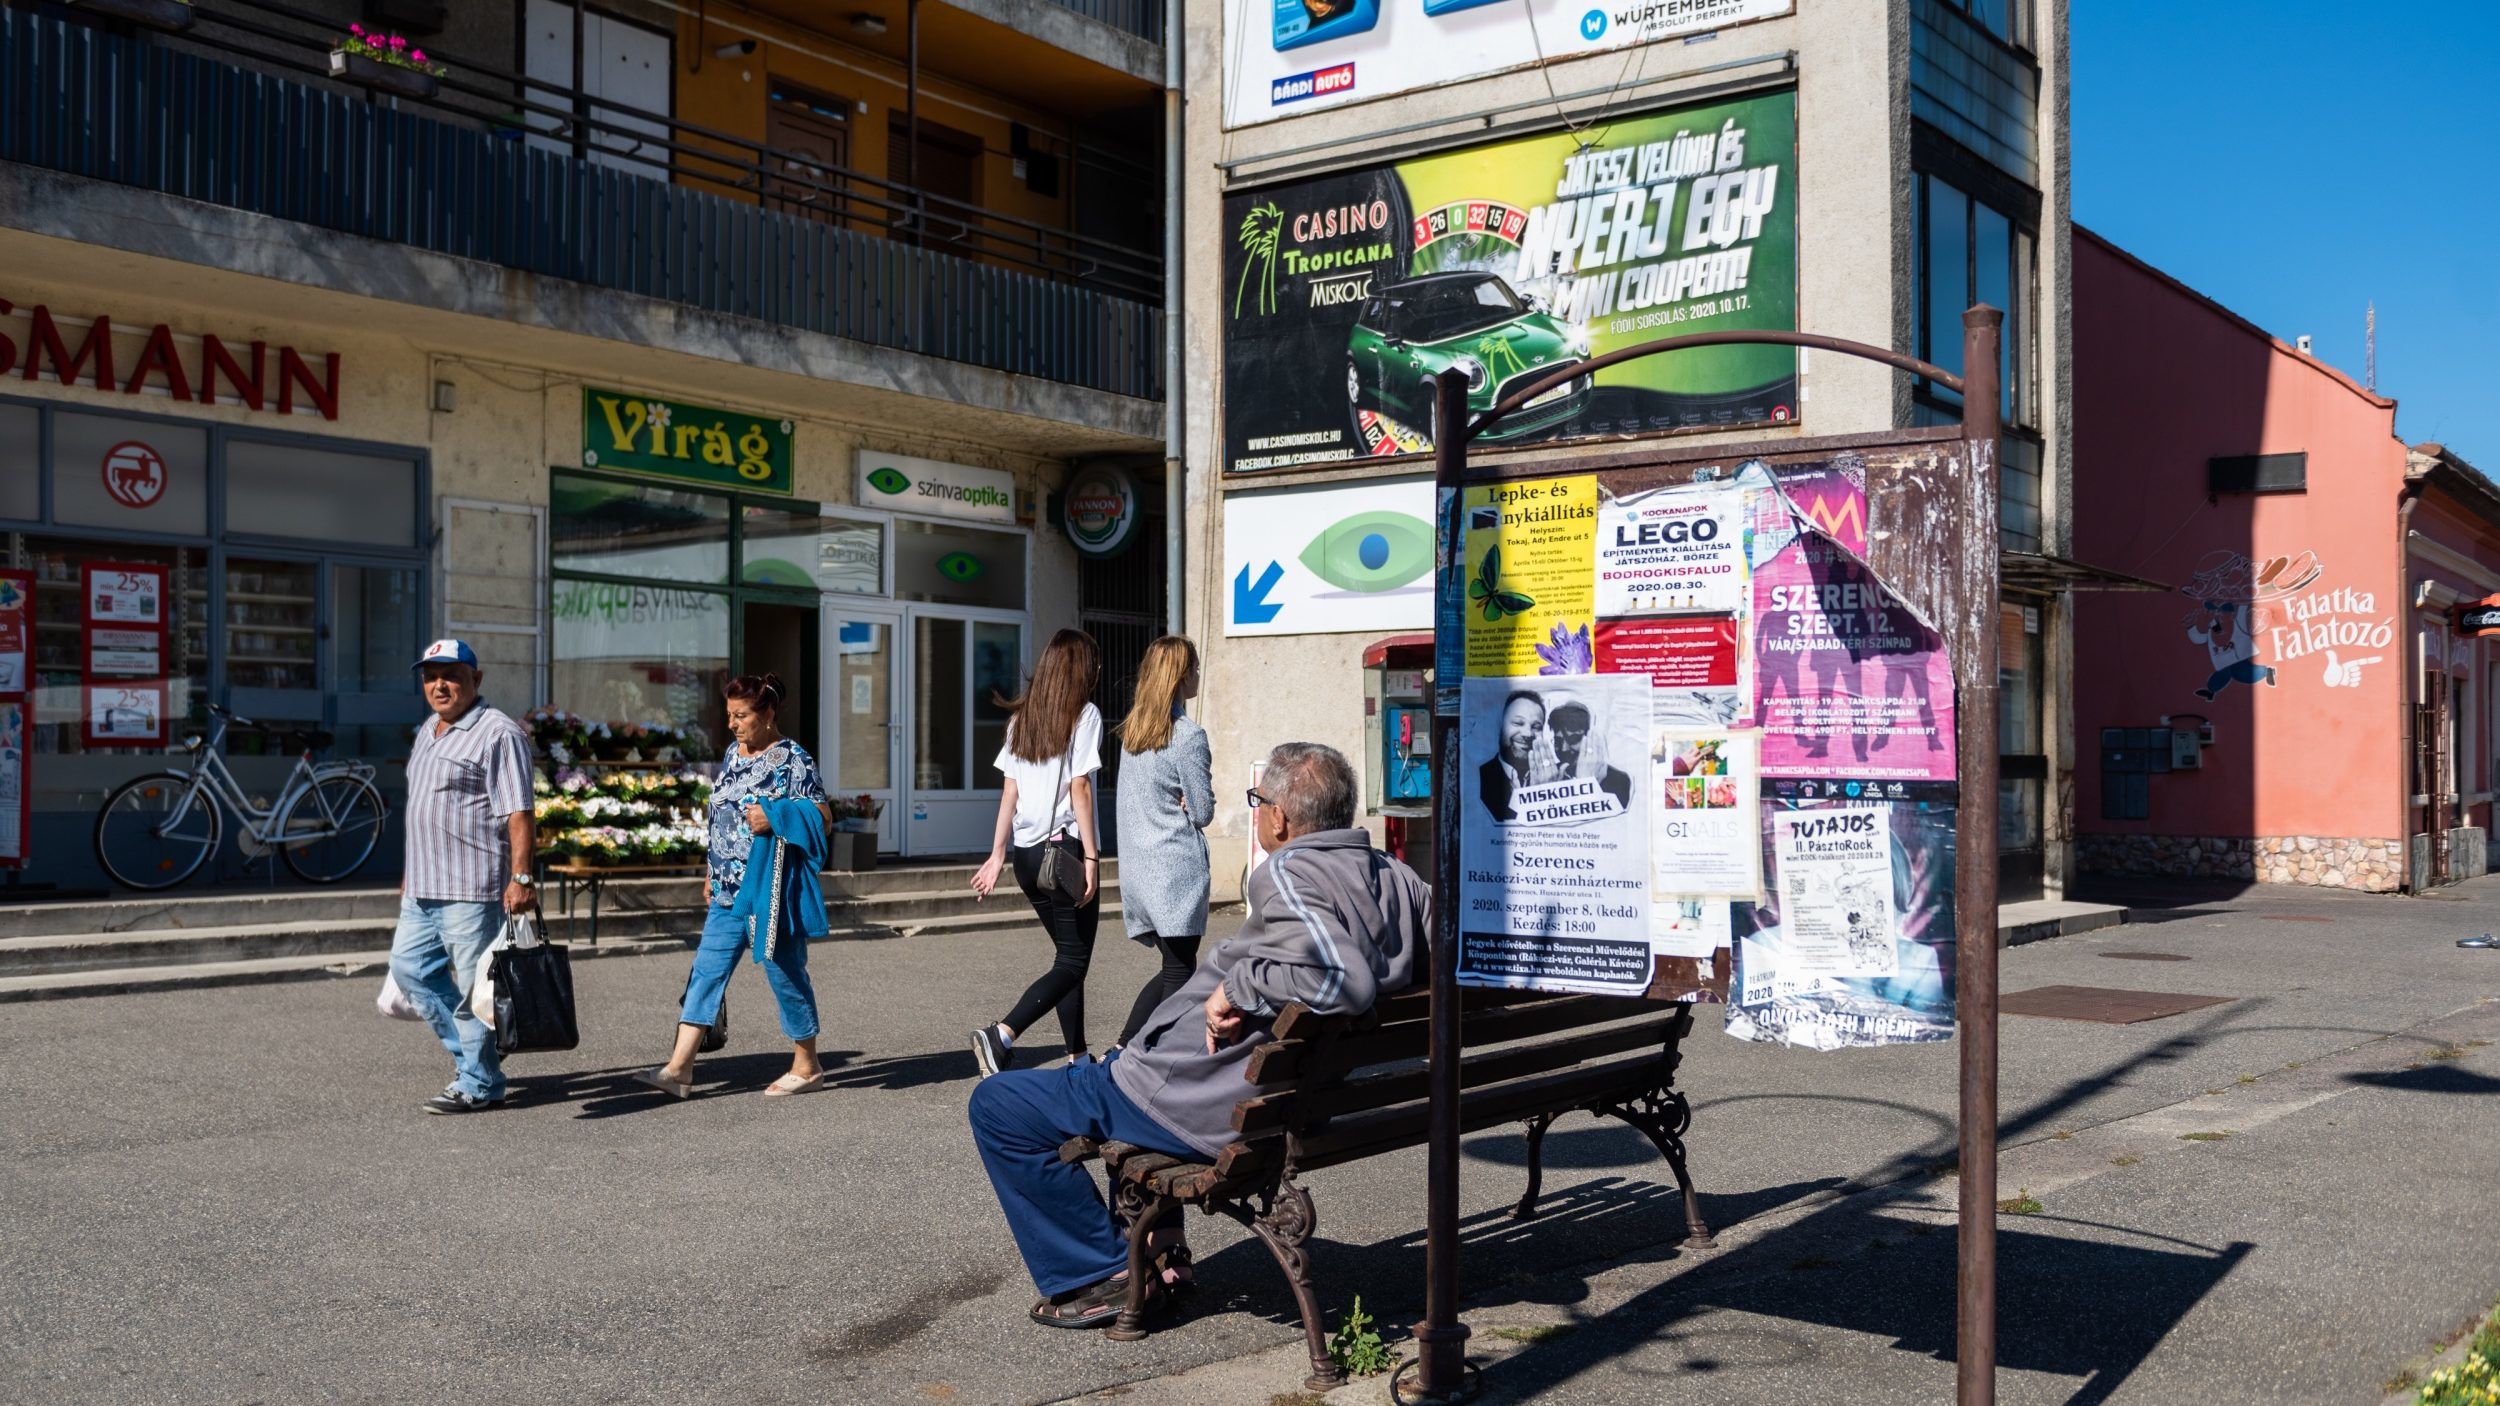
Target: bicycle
157	830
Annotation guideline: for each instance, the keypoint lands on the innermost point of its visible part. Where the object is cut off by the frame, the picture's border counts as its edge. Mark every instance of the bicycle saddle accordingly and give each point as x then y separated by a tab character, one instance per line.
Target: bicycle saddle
308	740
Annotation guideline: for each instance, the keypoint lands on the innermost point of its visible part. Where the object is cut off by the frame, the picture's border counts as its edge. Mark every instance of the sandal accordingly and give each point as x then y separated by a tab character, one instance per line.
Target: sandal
1097	1306
789	1084
658	1079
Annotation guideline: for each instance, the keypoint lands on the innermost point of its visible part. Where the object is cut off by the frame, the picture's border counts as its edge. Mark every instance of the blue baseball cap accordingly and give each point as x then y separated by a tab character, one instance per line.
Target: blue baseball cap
447	652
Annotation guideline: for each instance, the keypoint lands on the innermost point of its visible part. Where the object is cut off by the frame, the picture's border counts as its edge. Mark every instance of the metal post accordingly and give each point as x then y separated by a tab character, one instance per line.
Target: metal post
1175	400
1973	641
1441	1340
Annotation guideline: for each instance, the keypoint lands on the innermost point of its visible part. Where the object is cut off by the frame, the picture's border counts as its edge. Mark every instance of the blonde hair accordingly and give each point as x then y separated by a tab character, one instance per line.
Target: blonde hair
1148	727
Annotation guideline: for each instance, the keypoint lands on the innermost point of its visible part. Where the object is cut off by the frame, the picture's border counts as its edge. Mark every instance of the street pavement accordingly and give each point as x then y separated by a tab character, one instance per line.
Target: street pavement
229	1196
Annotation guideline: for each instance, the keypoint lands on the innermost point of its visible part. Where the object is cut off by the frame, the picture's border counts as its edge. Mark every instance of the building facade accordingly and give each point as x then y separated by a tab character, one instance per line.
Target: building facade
641	346
2308	699
1374	194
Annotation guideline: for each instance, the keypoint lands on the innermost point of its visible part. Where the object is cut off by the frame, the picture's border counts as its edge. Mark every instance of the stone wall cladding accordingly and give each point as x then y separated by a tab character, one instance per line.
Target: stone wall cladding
2370	865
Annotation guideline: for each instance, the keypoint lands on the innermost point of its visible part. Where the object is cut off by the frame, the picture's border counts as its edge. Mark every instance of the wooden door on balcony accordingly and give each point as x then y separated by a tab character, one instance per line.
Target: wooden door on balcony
948	170
809	136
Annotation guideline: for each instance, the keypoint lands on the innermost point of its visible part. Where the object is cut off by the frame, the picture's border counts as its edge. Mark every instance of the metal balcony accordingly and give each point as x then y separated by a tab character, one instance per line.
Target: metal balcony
547	189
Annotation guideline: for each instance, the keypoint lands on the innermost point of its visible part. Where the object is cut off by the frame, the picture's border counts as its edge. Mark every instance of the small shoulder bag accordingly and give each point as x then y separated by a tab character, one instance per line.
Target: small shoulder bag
1063	856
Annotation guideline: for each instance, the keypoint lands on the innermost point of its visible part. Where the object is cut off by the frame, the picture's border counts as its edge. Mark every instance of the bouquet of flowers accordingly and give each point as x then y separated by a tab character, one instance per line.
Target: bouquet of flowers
854	814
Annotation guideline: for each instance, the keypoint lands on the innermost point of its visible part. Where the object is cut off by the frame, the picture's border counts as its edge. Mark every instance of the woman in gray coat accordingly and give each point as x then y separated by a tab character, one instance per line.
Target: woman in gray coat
1166	797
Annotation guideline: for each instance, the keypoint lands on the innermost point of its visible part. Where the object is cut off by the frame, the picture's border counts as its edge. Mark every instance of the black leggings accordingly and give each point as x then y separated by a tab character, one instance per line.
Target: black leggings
1071	930
1180	960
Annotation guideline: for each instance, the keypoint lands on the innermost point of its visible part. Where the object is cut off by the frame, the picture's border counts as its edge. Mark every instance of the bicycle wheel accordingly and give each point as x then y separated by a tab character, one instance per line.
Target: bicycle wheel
156	831
330	828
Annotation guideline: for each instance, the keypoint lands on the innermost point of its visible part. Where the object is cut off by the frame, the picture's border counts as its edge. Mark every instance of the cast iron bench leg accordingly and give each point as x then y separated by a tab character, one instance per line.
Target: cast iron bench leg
1131	1326
1286	1229
1526	1209
1664	1115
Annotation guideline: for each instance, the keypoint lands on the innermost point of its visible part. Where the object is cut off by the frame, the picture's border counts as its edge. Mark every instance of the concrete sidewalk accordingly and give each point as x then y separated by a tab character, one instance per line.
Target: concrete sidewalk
227	1195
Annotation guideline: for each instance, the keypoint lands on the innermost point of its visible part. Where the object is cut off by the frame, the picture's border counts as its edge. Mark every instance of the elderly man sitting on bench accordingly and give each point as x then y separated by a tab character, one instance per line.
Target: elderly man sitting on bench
1333	924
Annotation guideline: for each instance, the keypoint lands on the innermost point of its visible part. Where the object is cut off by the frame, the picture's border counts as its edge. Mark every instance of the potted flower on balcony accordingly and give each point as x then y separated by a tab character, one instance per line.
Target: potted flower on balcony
386	62
173	15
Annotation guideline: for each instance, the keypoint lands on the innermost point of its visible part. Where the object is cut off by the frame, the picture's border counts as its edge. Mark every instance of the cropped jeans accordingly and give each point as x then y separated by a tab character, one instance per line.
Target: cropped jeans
724	941
434	956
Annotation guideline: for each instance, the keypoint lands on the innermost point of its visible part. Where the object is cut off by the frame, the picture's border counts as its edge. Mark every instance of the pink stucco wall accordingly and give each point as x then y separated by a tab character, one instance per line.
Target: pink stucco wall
2164	380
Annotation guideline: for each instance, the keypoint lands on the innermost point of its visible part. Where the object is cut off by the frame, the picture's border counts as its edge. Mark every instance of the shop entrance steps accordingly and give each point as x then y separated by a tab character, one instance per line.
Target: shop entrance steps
155	943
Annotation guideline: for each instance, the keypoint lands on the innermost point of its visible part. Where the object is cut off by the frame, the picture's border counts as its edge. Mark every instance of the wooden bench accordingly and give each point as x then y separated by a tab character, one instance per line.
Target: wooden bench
594	877
1333	1089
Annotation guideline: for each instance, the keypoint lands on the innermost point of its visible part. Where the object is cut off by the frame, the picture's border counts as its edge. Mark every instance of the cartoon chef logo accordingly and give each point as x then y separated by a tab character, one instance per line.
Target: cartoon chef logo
2232	594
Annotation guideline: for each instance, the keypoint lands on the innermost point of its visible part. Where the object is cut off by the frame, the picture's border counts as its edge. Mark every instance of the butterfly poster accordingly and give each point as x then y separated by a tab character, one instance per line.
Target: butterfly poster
1529	566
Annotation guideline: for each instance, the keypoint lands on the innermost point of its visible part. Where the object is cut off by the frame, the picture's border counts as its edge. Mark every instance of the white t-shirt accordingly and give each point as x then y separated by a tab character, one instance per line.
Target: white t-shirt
1042	803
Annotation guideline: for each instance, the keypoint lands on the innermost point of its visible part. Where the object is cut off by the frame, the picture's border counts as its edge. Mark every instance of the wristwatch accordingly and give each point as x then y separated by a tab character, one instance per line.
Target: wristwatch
525	881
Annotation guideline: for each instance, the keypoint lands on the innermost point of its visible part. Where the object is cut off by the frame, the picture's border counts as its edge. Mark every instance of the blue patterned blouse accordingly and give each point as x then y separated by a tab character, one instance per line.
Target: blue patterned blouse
782	772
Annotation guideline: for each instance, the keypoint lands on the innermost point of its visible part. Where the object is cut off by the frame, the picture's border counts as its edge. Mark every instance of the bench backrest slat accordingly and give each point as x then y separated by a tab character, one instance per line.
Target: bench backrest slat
1402	1034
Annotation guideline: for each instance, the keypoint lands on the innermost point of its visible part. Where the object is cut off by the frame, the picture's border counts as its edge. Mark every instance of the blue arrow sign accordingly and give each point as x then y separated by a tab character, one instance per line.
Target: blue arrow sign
1250	603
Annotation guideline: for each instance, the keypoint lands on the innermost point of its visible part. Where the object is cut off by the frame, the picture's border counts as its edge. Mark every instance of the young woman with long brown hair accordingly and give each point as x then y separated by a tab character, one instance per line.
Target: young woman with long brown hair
1054	747
1166	798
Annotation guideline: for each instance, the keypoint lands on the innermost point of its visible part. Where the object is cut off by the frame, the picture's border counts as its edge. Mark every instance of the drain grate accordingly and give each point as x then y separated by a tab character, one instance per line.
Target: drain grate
2148	957
2103	1004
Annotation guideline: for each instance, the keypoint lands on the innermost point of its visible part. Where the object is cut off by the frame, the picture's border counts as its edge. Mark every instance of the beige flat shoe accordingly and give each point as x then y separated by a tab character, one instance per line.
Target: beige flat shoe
658	1079
789	1084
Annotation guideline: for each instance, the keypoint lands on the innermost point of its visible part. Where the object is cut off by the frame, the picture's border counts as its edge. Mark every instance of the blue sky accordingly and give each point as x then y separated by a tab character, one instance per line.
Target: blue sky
2295	161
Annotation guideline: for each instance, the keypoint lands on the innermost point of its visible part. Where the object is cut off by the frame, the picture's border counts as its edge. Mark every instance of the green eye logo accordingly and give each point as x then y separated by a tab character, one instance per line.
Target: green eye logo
1371	552
958	566
1487	591
888	479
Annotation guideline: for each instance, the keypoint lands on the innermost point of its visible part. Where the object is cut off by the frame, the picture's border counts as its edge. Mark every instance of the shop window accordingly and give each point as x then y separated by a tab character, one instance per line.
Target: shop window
1969	252
58	671
632	529
377	615
21	462
997	672
294	490
800	547
642	654
129	475
951	565
939	761
273	615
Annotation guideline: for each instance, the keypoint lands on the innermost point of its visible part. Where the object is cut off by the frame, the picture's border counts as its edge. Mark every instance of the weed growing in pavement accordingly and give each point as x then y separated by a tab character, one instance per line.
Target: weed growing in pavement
1356	1347
2474	1381
2024	1204
2204	1137
1810	1262
2061	1134
2126	1161
2449	1052
2248	1078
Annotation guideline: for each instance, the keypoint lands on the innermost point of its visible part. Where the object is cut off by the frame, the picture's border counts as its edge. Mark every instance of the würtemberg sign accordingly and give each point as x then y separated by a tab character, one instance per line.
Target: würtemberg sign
936	489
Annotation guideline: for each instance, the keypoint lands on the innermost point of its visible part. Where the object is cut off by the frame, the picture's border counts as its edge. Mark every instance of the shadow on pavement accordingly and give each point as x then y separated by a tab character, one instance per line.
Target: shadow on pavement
2430	1079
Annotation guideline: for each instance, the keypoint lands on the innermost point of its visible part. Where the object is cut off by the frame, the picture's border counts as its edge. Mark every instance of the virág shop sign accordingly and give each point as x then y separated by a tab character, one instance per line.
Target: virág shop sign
205	370
696	443
1345	295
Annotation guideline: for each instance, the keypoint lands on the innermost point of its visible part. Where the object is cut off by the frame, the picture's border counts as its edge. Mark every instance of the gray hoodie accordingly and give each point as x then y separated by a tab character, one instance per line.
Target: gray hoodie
1334	924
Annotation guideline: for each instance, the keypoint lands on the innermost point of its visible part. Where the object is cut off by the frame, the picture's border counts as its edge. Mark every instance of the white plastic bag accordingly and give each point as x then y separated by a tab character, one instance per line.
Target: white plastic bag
519	930
393	1002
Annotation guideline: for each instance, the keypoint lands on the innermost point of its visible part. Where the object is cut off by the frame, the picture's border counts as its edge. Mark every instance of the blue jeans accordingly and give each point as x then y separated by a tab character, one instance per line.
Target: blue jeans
724	940
1062	1227
434	955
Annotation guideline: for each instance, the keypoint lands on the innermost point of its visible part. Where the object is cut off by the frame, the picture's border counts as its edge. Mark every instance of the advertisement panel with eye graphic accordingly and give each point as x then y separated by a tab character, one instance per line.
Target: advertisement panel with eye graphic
1337	559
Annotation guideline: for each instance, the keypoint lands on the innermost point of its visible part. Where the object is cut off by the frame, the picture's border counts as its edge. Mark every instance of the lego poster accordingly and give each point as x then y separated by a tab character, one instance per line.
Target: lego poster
1345	295
1554	834
1529	592
1674	551
1287	57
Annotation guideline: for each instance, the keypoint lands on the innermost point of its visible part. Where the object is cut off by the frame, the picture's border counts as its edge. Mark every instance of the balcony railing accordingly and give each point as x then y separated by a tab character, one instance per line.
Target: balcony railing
795	244
1143	18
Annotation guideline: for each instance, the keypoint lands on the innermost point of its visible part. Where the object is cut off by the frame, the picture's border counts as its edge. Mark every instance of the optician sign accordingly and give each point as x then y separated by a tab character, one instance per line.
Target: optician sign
672	439
934	488
1302	561
1296	56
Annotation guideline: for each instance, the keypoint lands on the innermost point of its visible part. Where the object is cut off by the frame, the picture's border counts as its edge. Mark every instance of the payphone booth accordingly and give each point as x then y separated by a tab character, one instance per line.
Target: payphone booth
1397	743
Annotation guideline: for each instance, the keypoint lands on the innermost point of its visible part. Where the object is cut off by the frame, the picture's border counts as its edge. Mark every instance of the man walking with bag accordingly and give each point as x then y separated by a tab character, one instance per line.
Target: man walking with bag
471	837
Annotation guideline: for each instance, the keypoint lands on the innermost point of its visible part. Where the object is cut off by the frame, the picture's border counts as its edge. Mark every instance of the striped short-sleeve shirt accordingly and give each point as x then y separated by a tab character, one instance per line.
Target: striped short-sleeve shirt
464	783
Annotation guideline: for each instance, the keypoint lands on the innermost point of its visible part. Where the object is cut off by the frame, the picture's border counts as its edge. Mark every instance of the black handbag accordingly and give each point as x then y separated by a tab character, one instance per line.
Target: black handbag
533	998
1062	869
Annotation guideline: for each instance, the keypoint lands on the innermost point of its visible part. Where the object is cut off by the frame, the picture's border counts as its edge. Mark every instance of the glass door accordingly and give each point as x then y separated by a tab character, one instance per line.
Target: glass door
961	662
859	742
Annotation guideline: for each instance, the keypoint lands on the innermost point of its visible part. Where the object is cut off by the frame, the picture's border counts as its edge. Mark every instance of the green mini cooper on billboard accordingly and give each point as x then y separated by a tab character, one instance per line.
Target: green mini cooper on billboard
1410	332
